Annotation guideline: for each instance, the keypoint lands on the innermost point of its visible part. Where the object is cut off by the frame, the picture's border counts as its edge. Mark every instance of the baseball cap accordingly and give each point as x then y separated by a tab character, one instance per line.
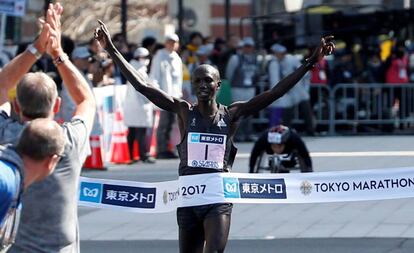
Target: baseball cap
248	41
172	36
141	52
81	53
277	48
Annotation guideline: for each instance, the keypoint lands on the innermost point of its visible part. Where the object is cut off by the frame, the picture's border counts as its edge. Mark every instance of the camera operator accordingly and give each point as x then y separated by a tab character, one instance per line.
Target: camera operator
282	140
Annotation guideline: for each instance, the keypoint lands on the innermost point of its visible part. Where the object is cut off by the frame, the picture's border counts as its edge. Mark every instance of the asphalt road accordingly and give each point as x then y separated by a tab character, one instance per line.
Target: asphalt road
360	227
328	245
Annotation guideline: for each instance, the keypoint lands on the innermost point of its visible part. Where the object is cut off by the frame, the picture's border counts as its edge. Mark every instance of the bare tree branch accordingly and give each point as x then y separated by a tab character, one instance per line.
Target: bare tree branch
80	17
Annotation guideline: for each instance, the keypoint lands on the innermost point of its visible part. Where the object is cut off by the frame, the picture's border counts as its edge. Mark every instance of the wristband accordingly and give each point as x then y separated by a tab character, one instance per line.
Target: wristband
60	59
34	51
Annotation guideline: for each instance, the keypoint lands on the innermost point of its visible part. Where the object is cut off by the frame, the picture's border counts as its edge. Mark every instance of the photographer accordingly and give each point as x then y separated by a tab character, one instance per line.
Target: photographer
282	140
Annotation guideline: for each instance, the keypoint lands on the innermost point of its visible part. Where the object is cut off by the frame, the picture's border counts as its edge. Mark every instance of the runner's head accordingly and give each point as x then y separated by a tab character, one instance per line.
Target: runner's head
36	97
40	145
205	81
277	137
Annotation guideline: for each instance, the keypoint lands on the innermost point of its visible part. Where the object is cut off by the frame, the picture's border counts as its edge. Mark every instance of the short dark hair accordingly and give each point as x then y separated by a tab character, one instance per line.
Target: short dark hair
41	138
207	67
148	42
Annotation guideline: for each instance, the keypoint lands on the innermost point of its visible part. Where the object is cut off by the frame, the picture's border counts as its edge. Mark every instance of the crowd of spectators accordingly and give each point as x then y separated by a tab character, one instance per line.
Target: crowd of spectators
243	65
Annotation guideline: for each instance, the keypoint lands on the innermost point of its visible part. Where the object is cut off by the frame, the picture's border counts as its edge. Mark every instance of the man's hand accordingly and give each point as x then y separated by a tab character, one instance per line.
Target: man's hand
43	39
102	35
54	13
326	47
41	42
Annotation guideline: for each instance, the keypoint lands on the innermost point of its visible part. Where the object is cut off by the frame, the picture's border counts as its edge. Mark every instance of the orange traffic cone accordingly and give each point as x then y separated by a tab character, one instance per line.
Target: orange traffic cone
94	161
153	144
119	145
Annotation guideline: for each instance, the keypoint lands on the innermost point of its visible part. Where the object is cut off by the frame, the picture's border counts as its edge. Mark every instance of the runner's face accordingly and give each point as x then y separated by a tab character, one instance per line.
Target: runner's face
205	84
278	148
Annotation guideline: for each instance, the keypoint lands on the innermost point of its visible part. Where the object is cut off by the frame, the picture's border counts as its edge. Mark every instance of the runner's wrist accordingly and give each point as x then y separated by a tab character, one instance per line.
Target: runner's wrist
56	53
38	46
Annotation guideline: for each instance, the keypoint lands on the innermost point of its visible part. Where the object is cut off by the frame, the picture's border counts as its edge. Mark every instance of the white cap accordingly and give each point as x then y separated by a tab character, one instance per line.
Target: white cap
277	48
248	41
172	36
81	53
141	52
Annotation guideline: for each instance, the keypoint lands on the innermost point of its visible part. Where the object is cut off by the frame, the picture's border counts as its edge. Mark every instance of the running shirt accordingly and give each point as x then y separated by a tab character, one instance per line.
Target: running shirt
206	146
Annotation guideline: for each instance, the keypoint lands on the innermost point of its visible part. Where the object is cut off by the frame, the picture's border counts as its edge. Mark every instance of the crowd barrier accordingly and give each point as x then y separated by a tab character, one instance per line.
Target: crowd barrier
376	106
380	106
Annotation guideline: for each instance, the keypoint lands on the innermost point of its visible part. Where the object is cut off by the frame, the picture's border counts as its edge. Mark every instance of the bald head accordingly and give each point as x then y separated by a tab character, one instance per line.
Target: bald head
40	139
36	95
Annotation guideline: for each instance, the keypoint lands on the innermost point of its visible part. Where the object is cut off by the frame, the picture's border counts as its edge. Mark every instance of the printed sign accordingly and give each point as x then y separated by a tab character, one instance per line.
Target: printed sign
128	196
251	188
13	7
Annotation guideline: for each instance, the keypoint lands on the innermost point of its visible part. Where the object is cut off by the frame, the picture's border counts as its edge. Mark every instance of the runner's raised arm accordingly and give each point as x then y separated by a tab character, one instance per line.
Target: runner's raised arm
137	80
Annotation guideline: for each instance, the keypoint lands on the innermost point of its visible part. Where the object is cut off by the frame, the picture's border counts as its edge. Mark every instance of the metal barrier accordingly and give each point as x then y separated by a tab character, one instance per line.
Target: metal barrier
378	106
384	106
320	103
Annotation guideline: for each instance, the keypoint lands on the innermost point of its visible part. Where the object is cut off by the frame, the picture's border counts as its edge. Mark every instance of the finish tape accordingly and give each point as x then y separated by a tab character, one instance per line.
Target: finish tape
194	190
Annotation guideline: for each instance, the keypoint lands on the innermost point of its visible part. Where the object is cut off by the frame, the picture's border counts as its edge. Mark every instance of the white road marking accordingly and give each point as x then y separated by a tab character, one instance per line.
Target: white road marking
350	154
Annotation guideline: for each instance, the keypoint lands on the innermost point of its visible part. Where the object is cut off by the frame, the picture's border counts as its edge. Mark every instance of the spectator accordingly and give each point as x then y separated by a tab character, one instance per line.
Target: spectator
167	70
203	53
94	47
150	43
233	46
136	104
242	71
48	221
344	69
121	43
188	54
101	70
217	55
35	157
374	68
281	65
319	74
397	71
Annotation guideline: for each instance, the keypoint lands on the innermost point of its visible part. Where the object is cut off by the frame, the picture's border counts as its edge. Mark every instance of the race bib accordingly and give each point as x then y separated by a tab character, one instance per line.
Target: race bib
322	75
402	73
206	150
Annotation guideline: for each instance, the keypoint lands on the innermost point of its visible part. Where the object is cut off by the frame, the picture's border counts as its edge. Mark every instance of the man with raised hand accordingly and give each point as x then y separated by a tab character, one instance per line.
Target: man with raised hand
49	220
206	228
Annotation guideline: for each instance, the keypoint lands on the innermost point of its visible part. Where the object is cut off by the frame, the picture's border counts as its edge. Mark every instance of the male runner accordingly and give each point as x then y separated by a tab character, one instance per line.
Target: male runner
206	228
